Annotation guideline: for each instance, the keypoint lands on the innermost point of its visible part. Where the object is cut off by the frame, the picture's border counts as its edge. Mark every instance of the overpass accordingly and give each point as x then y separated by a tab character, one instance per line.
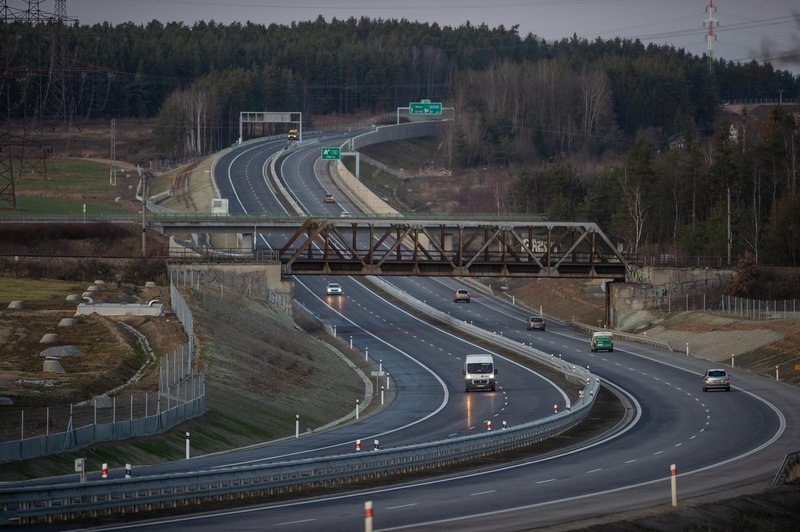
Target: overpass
418	246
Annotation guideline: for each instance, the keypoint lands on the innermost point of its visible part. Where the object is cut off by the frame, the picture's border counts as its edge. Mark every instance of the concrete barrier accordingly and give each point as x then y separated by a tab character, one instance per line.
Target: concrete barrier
49	338
120	309
52	365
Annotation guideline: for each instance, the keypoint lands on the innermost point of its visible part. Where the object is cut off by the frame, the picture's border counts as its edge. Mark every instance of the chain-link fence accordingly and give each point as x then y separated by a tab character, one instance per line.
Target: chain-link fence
34	432
701	294
759	309
184	315
706	295
226	283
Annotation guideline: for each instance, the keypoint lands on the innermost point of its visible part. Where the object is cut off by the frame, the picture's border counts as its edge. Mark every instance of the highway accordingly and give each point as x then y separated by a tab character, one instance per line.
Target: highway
717	440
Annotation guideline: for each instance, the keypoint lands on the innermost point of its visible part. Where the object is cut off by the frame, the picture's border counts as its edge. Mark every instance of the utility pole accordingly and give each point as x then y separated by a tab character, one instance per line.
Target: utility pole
112	178
729	226
144	211
709	23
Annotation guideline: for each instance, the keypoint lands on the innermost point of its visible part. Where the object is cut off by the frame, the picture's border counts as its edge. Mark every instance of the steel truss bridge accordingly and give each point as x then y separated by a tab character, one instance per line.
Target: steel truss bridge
422	247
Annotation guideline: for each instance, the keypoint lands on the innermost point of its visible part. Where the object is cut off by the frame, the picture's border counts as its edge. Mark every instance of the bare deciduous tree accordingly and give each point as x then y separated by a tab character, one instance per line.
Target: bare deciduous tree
636	207
596	92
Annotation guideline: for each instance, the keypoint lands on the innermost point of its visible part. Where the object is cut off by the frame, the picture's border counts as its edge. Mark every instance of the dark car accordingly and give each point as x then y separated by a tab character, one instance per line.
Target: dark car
462	294
716	379
536	322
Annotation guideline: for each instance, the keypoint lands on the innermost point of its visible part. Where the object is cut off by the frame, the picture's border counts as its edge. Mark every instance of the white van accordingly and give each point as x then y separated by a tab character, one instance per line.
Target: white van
479	372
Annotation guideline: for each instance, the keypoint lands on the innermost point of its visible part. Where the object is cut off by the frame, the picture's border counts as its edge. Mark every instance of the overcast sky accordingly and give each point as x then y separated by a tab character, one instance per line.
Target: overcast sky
746	27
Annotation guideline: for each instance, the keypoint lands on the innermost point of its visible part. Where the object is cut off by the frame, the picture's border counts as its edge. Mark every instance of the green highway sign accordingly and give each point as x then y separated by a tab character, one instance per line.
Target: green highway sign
425	107
330	154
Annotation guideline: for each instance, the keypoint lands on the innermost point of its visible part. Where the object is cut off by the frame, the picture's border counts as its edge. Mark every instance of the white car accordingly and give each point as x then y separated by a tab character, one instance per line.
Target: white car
333	289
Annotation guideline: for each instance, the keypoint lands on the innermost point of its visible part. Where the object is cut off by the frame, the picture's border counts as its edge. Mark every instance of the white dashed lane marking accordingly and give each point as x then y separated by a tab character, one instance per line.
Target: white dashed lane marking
416	503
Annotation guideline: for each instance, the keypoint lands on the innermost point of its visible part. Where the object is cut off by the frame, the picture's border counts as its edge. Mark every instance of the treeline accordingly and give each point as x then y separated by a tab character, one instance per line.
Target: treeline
342	66
614	131
666	185
684	196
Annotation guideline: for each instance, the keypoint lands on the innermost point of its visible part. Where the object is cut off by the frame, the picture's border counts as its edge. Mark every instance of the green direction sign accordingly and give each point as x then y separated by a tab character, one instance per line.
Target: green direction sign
331	154
425	108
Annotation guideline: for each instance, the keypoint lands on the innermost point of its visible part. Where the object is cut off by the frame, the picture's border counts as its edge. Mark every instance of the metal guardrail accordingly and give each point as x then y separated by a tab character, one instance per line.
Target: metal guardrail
64	502
75	501
569	370
638	338
789	470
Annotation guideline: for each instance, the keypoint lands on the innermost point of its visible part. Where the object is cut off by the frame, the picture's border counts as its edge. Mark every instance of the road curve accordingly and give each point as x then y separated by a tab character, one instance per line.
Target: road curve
717	440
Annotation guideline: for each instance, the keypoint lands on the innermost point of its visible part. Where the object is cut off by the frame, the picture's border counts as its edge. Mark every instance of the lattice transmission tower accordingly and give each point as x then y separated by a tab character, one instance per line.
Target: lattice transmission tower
50	27
21	156
709	23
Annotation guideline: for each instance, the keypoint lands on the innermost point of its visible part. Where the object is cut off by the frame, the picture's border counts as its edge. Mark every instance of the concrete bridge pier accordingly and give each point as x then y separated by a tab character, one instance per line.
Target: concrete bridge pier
246	242
263	281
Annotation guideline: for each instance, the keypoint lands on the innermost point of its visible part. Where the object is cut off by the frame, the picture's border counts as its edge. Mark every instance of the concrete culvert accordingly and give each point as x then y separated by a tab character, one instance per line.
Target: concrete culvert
66	322
99	282
16	305
92	288
61	351
150	284
87	294
49	338
52	365
104	401
73	297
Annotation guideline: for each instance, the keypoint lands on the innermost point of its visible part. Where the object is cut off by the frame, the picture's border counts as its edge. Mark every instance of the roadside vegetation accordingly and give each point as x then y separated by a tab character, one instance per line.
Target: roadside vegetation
261	368
71	187
642	139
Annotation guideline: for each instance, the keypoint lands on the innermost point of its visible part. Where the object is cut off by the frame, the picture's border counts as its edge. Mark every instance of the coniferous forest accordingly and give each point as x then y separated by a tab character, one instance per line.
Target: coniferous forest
629	135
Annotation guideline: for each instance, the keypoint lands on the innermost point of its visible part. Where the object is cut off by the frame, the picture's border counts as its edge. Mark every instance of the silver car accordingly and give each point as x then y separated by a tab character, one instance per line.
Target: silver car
462	294
716	379
333	289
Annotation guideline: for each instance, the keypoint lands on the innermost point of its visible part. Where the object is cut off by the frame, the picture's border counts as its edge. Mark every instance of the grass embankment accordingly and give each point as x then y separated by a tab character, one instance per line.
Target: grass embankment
261	368
71	184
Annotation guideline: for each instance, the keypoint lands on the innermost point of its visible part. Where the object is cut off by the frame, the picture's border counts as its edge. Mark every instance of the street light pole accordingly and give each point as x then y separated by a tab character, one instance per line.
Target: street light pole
144	210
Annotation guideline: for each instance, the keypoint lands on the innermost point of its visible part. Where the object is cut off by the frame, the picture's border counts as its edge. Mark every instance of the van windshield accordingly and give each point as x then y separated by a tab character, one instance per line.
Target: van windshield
479	367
